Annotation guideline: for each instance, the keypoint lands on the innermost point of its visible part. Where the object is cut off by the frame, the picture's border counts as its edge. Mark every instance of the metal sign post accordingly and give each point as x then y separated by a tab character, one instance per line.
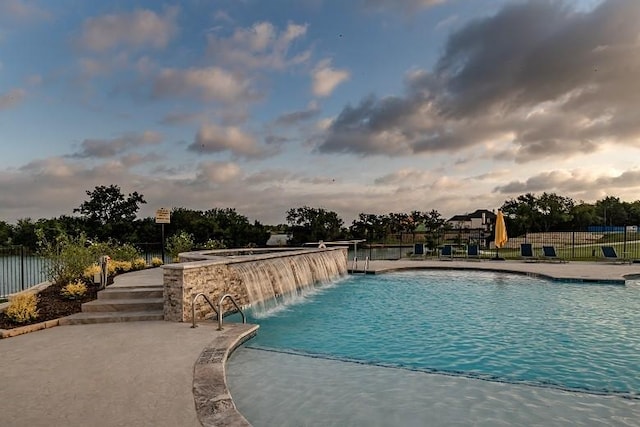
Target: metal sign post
163	216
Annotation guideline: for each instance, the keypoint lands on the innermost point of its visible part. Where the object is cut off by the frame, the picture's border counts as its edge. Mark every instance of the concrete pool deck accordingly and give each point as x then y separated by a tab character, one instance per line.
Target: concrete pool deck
156	373
572	271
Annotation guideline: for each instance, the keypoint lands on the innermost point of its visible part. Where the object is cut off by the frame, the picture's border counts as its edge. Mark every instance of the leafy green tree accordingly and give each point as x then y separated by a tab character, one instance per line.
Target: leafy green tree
555	211
24	233
109	214
583	215
225	226
6	233
369	226
108	205
611	211
313	224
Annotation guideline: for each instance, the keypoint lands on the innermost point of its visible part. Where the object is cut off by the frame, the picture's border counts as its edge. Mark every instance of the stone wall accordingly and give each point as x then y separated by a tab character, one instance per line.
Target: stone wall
215	277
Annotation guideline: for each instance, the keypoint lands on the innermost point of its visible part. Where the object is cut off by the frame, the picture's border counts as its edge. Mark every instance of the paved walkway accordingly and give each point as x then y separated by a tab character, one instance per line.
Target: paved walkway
142	373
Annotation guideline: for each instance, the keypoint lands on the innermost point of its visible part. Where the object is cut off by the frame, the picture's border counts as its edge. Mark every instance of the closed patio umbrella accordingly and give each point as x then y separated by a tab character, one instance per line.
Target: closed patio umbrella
501	232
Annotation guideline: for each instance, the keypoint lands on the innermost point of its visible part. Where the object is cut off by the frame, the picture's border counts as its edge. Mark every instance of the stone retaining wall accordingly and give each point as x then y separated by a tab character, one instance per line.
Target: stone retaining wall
215	276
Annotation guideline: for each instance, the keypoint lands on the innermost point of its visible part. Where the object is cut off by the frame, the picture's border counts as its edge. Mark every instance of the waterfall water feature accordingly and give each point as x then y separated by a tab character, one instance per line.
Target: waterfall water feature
275	279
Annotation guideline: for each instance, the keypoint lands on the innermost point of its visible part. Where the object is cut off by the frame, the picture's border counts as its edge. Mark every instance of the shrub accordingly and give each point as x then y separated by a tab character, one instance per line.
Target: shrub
23	308
139	264
91	271
68	257
214	244
111	268
181	242
156	262
126	252
121	266
74	290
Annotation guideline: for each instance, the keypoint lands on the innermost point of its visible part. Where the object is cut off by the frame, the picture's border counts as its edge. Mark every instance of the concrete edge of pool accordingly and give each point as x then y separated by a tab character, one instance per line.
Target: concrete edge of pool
214	405
574	272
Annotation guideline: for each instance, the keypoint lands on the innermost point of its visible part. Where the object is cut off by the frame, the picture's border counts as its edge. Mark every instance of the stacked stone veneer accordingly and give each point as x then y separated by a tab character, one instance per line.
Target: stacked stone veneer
217	274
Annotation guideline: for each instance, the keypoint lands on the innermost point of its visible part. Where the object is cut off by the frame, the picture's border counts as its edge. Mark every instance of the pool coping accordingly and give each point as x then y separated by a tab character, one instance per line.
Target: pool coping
213	402
615	274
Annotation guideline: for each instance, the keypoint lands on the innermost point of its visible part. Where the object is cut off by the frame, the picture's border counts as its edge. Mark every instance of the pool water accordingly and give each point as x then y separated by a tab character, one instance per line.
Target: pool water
500	328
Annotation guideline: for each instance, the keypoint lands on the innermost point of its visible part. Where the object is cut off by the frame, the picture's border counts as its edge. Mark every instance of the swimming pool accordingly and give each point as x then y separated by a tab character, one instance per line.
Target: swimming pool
494	329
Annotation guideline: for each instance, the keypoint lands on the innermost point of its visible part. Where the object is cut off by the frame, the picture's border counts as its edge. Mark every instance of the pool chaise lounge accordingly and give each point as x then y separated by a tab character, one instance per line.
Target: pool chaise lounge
610	254
526	252
549	254
446	253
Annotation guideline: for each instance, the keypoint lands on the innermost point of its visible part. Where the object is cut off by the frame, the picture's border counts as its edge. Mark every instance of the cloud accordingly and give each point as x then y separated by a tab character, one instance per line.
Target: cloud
260	46
574	181
174	119
296	117
326	79
12	98
105	148
560	84
21	11
405	5
217	172
141	28
212	138
211	83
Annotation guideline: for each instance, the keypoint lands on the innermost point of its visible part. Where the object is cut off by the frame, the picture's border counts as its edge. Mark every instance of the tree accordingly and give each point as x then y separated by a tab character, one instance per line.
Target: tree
313	224
611	211
109	214
555	210
584	215
108	205
6	232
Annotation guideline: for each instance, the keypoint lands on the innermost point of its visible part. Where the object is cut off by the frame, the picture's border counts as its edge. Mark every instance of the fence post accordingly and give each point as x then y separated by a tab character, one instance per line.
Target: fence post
22	267
624	245
573	244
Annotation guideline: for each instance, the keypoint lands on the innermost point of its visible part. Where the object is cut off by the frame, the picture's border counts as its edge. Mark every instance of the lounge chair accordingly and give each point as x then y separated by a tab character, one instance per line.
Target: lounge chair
473	252
418	249
446	252
610	254
526	252
549	254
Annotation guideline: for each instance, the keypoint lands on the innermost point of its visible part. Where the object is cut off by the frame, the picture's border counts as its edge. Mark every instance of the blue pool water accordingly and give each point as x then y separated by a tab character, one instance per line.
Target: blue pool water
492	326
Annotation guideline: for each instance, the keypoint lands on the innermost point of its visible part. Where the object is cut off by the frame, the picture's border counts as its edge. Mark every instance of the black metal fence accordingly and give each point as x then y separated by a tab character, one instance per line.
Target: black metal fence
571	245
20	269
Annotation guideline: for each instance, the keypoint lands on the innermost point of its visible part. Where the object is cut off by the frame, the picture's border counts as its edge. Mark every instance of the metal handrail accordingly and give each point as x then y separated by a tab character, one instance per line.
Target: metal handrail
366	265
244	319
355	264
193	308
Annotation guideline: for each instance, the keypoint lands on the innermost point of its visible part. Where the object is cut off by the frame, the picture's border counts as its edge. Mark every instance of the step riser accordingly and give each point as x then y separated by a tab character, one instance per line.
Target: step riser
115	319
124	294
106	307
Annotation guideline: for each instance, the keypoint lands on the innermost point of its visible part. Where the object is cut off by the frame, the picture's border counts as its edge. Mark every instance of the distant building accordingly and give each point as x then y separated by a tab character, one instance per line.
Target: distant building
481	219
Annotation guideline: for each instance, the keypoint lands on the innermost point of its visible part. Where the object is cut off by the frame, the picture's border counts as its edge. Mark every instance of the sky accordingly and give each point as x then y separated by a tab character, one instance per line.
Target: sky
360	106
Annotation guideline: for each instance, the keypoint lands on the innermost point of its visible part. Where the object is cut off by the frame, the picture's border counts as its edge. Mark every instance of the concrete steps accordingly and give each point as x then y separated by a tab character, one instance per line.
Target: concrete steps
134	304
121	304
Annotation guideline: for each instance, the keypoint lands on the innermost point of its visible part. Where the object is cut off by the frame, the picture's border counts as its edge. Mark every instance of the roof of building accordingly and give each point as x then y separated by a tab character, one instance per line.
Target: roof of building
477	214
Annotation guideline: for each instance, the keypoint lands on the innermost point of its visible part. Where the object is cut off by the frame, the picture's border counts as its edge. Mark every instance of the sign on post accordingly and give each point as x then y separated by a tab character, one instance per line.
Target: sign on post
163	216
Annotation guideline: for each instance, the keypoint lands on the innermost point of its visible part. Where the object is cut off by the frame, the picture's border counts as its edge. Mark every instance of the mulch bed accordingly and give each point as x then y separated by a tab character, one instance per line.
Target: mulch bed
51	305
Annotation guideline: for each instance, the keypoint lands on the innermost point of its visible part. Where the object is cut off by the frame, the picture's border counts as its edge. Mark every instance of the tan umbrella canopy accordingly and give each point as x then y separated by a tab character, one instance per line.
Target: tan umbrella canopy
501	233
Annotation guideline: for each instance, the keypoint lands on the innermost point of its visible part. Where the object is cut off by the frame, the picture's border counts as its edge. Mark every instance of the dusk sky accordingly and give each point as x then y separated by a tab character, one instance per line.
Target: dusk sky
370	106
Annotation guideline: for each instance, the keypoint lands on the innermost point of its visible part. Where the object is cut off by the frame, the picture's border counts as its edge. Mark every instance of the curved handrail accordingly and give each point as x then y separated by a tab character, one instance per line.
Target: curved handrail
193	308
222	298
366	265
355	264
